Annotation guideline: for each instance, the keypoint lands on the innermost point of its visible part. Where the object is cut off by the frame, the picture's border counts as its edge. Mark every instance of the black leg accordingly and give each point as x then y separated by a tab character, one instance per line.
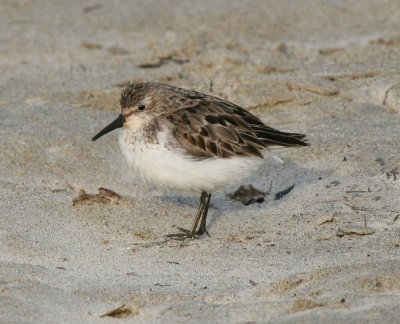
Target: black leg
202	229
201	217
200	212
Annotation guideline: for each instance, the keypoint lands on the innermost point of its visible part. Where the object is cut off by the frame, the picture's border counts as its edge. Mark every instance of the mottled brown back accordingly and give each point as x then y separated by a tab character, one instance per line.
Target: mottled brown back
206	126
212	127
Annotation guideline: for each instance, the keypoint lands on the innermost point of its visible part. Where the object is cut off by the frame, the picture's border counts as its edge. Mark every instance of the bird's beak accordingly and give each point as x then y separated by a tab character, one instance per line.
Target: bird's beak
118	123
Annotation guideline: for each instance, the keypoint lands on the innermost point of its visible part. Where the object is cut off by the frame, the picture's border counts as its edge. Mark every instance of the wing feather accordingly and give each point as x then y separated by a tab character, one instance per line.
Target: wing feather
211	127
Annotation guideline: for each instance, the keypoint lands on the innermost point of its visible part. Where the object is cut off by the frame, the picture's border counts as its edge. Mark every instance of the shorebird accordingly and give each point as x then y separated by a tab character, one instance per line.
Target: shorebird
189	141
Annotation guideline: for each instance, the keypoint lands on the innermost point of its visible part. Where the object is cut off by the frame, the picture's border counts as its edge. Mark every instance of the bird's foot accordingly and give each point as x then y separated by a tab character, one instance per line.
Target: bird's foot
186	234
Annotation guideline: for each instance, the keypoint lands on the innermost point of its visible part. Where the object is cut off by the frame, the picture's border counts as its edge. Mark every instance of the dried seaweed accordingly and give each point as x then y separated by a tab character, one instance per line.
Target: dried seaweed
105	196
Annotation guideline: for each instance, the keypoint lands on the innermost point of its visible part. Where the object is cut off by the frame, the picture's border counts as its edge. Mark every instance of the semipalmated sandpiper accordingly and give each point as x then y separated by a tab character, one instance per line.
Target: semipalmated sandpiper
189	141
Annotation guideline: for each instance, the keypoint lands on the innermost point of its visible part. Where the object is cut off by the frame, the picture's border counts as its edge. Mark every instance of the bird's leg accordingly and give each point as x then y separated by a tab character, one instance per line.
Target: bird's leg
201	216
202	229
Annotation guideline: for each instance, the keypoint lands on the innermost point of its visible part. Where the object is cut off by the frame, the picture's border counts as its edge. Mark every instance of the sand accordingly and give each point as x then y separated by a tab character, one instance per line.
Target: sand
328	251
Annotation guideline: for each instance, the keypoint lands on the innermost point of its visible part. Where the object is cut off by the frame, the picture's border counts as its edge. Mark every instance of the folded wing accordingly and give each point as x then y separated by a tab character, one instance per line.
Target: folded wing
216	128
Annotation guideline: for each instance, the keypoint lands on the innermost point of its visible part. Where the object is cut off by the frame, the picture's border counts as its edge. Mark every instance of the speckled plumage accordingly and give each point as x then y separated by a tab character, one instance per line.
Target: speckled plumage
186	140
206	126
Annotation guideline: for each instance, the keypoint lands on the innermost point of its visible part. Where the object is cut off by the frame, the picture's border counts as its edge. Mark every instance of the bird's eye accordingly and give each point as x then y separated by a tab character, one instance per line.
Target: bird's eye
141	107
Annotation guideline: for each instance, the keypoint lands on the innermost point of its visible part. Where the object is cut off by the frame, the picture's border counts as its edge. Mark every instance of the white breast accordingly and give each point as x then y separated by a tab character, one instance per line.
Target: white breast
173	169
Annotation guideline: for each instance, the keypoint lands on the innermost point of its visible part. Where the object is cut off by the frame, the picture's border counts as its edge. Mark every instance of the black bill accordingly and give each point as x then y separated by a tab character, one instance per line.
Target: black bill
118	123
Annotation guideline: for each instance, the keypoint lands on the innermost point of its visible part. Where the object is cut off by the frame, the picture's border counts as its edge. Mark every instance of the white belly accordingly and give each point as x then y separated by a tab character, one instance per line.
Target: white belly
172	169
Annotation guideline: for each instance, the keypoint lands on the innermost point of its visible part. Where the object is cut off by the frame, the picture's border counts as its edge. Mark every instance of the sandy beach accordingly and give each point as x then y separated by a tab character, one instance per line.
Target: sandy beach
327	251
